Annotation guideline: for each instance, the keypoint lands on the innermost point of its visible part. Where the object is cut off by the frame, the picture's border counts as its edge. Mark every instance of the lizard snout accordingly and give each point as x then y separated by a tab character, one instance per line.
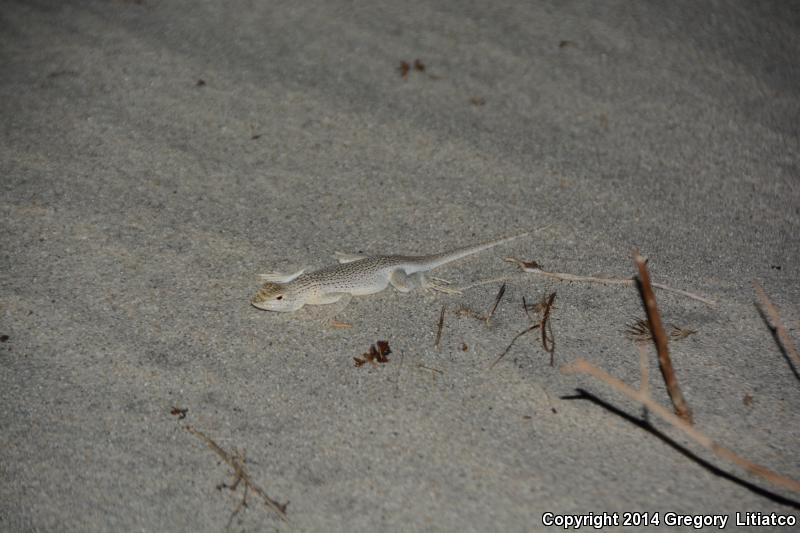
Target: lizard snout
274	297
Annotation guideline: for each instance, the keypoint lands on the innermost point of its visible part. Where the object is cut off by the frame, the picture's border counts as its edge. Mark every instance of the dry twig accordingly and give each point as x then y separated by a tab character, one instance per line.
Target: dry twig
777	324
660	338
582	366
236	462
528	266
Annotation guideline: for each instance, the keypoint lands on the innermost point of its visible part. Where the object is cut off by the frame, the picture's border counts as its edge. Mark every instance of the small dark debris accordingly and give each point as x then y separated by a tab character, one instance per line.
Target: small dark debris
747	400
4	338
377	353
419	66
180	413
404	68
775	267
567	44
256	136
464	347
477	101
200	83
383	351
527	417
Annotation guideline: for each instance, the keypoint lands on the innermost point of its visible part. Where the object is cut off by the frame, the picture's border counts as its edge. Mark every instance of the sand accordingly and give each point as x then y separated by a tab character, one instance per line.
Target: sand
157	156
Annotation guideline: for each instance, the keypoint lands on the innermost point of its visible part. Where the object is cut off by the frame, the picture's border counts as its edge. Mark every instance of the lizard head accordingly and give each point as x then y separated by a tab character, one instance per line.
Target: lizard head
277	297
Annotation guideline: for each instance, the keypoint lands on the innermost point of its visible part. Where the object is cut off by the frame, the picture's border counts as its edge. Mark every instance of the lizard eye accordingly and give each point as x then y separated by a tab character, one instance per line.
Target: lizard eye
279	298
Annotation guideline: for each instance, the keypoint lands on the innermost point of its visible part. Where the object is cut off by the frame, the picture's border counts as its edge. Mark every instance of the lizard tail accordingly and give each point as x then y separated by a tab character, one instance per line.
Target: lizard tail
432	261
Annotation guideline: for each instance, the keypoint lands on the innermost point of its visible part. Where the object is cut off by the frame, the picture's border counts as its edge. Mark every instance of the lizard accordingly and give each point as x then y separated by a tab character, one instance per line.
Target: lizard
359	275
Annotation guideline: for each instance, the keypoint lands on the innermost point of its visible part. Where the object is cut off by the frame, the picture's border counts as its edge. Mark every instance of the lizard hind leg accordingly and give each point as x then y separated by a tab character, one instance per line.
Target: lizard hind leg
343	257
419	280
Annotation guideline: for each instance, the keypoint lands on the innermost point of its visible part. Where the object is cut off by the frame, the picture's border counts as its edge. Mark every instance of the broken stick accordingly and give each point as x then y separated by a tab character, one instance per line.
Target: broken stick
660	338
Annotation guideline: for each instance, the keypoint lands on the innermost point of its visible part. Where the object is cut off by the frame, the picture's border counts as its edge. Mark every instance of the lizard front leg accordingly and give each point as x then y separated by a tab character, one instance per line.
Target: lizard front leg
329	298
280	277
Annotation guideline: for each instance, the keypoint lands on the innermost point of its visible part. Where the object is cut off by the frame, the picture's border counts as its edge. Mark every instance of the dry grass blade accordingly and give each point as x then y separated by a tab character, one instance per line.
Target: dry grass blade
561	276
237	464
527	309
439	328
497	299
639	330
520	334
777	323
548	341
660	338
582	366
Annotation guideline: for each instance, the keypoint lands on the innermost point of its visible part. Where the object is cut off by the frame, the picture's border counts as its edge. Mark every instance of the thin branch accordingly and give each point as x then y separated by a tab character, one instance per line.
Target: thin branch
582	366
660	338
240	472
777	323
560	276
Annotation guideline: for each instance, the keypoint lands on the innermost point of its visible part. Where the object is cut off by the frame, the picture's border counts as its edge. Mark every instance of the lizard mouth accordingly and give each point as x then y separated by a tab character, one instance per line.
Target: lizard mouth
273	306
261	304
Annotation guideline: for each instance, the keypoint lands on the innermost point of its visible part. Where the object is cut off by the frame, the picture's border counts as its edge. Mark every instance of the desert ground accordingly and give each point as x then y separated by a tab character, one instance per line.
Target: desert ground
156	157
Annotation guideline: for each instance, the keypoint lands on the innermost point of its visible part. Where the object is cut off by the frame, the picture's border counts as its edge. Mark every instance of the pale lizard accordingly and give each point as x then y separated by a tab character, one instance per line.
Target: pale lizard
358	275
